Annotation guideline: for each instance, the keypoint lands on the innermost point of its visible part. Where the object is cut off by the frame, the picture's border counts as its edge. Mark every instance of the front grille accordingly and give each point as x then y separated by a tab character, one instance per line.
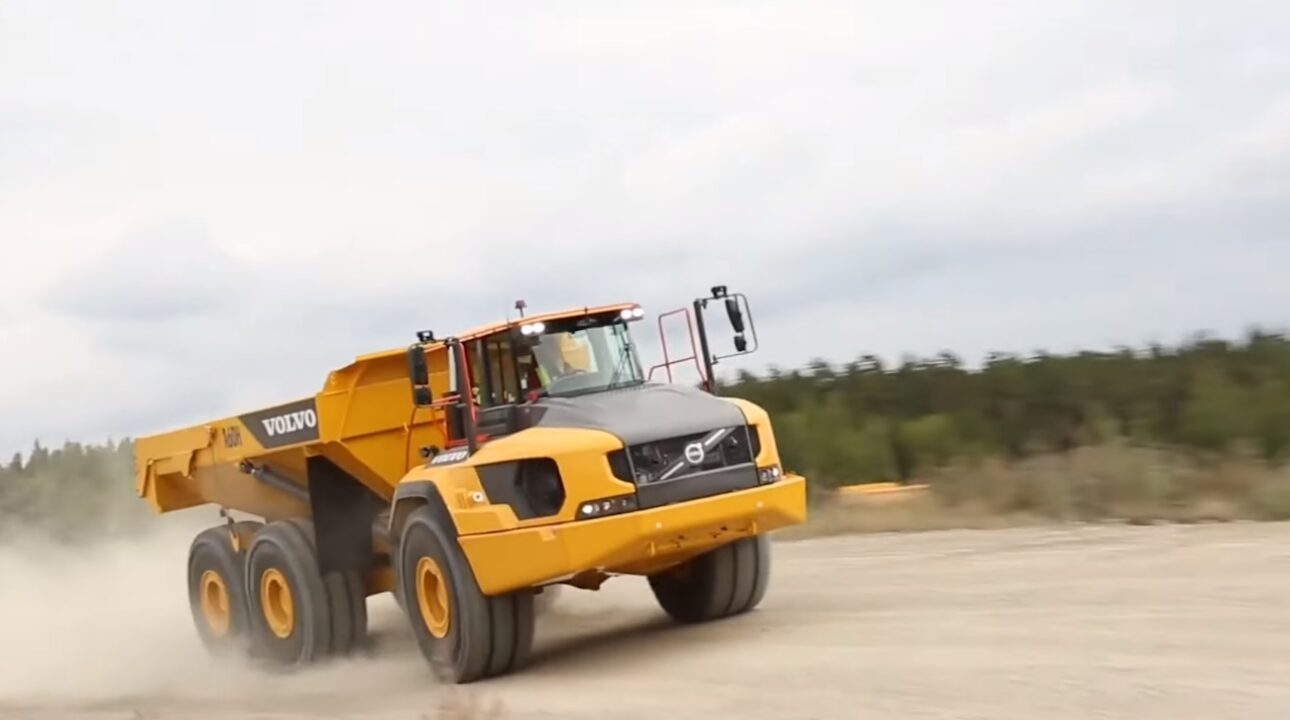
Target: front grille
678	457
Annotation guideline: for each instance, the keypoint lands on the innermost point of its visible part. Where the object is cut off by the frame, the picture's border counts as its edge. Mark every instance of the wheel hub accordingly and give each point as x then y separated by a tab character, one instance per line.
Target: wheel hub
432	597
276	601
215	603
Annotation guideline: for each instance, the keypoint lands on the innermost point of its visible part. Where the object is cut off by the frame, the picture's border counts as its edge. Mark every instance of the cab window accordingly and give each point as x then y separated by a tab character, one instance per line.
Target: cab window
479	376
503	379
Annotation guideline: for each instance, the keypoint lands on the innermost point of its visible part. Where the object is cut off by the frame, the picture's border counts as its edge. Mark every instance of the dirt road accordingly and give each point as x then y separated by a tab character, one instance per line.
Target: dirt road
1112	622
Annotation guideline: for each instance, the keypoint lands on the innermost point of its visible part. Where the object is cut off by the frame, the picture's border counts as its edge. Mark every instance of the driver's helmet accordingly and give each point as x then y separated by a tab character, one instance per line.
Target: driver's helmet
574	353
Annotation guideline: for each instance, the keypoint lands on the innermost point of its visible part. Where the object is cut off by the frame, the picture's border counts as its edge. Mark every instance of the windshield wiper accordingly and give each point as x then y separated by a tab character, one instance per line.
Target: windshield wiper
624	354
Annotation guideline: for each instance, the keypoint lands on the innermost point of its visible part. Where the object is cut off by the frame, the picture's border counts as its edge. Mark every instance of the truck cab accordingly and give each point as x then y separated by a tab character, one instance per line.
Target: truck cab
566	464
524	363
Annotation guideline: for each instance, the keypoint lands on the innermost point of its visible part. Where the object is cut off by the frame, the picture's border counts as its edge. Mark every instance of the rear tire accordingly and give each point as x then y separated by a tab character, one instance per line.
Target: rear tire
730	580
298	615
216	587
463	634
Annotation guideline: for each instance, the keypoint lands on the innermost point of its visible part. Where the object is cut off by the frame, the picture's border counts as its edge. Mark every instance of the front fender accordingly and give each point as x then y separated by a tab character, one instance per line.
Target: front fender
408	497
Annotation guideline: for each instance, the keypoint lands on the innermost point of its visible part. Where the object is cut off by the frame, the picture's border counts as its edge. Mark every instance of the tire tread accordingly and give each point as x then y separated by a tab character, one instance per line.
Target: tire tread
729	580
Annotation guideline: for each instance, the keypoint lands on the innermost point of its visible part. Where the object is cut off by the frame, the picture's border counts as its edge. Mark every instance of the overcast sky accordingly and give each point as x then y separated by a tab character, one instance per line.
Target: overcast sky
204	207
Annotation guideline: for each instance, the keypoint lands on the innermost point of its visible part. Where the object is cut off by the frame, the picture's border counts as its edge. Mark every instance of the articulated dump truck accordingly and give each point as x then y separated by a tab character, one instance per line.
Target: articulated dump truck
468	473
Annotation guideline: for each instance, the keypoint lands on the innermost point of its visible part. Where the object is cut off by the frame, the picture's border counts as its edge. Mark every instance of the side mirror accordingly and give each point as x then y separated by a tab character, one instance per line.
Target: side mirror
740	315
736	315
417	370
419	374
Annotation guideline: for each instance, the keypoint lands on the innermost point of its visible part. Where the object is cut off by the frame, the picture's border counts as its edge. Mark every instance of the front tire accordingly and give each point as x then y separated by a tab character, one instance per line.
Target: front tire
730	580
463	634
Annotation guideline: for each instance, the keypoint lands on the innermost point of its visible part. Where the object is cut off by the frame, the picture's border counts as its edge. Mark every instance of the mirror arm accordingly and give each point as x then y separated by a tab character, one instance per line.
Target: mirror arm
708	360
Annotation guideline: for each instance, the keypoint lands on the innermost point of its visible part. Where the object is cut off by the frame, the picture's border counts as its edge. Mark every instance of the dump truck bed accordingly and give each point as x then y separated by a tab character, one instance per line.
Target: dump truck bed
363	421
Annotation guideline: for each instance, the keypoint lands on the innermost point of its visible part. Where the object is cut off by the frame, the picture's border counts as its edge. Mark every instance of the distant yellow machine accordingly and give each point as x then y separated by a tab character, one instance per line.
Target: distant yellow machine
465	474
880	493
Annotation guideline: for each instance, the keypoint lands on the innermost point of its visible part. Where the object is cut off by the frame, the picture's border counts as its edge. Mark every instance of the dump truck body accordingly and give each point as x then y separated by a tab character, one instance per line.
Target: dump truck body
471	471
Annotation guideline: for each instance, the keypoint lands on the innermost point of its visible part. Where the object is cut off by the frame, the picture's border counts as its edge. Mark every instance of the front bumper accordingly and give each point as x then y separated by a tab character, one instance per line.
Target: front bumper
514	559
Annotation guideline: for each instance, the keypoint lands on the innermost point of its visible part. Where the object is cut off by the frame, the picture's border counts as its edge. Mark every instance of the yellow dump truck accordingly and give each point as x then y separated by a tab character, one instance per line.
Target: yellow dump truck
467	473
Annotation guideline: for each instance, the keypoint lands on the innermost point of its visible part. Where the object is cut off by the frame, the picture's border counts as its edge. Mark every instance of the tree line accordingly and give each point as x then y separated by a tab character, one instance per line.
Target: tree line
865	420
71	493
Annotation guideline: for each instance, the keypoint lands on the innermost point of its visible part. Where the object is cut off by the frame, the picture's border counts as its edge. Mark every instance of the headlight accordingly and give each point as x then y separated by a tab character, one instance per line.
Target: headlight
606	506
768	475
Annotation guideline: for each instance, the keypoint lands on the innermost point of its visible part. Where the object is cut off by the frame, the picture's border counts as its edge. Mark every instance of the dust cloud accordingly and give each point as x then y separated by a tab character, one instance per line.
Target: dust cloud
107	627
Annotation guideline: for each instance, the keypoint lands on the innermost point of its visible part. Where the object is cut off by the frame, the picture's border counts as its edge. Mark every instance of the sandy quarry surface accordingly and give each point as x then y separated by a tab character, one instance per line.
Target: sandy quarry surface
1113	622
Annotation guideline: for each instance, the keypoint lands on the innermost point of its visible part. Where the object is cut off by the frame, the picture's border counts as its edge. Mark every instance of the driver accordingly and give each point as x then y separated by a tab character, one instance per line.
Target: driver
570	357
574	357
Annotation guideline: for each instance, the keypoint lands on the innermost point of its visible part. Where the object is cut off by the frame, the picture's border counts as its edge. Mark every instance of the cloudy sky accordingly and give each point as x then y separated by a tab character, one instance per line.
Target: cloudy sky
204	207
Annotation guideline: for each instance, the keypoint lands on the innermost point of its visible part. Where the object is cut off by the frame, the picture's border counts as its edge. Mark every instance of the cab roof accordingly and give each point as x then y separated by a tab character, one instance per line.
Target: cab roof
492	328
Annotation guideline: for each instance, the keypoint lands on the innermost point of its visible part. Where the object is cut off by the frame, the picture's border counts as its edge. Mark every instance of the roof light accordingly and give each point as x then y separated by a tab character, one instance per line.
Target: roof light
632	313
536	328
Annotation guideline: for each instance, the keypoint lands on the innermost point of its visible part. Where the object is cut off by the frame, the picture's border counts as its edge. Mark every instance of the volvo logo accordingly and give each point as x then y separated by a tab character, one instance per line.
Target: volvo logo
694	453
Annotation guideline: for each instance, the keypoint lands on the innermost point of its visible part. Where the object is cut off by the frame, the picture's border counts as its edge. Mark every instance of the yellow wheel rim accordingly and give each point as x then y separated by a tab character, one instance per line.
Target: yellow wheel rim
214	603
275	599
432	597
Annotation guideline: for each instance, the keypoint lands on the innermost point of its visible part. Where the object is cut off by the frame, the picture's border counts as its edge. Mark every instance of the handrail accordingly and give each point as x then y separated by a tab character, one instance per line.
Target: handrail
668	362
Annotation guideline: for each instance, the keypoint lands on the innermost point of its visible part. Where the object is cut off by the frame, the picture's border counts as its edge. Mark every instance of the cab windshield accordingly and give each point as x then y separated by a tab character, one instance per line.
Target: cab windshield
574	360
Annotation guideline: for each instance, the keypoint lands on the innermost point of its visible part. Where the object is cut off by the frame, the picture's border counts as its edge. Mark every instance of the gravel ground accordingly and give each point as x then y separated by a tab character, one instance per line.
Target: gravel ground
1086	622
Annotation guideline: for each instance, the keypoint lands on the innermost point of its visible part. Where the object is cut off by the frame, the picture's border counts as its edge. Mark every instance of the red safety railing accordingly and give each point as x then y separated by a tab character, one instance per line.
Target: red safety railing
668	362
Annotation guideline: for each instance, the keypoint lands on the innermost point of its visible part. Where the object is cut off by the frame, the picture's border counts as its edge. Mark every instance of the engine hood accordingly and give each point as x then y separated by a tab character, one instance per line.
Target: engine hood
640	414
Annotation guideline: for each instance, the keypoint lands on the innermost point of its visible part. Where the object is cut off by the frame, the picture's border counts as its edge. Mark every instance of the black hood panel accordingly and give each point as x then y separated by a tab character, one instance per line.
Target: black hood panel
641	414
